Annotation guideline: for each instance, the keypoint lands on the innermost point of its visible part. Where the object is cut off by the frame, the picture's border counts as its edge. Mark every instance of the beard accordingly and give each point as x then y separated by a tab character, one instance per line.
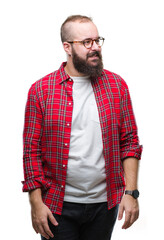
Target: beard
86	68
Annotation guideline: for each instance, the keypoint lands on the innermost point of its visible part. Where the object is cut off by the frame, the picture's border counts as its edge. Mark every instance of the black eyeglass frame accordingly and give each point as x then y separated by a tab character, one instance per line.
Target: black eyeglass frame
89	39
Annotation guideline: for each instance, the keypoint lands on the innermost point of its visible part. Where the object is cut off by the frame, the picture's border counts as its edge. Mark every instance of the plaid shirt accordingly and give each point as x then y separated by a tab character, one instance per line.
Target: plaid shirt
47	131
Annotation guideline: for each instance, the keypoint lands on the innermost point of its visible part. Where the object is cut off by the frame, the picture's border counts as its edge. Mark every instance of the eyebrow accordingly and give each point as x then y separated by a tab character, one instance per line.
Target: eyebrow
90	38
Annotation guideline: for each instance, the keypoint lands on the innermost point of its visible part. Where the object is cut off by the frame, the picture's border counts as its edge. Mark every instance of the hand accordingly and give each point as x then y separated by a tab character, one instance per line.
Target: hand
40	214
131	208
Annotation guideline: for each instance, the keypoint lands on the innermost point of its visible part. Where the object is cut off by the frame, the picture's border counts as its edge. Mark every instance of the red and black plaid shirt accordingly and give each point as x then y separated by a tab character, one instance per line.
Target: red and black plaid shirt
47	131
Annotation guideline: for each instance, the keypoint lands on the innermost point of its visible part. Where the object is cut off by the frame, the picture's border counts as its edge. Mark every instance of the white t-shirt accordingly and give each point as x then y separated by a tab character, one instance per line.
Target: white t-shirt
86	178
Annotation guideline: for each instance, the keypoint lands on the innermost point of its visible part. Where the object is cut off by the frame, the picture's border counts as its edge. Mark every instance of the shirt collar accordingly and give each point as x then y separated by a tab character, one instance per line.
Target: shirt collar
62	73
63	76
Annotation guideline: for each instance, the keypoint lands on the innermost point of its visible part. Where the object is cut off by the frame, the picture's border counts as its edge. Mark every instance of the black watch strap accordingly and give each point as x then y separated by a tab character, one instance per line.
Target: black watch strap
134	193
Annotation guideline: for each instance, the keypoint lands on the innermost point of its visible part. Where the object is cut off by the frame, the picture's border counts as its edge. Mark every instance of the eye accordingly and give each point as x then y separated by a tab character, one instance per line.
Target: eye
87	42
97	41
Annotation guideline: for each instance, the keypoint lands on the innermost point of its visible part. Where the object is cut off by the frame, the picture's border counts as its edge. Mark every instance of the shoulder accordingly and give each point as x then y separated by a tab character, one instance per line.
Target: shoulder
114	80
45	82
42	89
44	85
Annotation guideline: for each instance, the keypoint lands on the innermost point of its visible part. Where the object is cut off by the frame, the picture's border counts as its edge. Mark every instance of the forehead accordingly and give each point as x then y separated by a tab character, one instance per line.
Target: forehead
83	30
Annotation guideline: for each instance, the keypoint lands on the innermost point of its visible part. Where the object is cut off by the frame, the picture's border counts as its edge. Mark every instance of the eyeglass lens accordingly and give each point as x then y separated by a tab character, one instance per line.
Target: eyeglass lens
88	43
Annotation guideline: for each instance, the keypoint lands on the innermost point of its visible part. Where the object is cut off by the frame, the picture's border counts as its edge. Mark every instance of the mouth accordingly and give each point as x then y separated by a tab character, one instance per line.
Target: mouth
94	55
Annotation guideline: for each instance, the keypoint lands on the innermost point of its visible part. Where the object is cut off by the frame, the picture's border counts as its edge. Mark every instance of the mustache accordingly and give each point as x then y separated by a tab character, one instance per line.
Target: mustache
94	54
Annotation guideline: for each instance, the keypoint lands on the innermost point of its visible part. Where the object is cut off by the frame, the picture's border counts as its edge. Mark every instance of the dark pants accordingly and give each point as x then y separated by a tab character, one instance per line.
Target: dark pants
84	222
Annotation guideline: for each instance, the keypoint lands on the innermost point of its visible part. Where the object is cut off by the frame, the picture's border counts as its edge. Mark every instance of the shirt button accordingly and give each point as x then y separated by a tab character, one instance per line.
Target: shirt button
66	144
64	165
62	186
69	103
68	124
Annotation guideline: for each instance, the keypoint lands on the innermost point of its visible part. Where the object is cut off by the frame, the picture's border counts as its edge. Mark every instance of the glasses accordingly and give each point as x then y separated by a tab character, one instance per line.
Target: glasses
88	43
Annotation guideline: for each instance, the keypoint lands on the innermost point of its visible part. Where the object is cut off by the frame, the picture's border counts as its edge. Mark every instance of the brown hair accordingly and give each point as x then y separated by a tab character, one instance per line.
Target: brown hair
65	31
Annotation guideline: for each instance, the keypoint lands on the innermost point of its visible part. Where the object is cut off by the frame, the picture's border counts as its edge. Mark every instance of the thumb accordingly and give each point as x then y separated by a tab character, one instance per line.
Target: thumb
120	214
52	219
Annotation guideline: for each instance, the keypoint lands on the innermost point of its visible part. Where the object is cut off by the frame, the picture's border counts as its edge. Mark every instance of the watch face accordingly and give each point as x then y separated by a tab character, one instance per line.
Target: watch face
135	193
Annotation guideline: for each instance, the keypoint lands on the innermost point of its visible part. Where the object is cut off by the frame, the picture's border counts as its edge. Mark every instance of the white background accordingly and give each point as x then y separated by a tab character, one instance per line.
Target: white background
30	48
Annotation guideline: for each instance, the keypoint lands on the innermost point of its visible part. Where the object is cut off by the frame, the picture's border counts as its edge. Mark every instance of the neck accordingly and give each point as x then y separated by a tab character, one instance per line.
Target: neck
71	71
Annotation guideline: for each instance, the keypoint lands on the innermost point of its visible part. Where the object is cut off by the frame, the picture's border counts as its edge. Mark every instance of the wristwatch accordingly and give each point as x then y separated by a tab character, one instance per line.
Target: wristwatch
134	193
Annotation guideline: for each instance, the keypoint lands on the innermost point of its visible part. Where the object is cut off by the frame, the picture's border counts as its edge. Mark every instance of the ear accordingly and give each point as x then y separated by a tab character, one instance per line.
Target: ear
67	48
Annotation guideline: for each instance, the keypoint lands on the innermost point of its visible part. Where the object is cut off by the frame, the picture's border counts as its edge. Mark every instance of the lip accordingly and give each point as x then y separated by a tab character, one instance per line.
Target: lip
94	57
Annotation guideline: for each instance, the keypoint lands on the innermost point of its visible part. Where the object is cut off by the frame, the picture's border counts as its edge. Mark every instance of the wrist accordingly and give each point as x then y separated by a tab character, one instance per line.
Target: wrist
35	196
134	193
131	185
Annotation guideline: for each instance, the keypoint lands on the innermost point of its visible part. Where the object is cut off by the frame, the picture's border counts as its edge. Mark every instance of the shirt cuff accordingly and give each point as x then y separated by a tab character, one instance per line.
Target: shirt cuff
135	152
32	184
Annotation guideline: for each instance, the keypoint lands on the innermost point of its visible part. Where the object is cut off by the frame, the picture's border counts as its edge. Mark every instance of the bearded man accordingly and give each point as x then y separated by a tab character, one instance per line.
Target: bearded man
81	147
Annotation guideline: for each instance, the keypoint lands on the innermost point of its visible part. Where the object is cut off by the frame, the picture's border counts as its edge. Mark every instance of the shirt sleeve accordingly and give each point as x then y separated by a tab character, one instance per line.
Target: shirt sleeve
129	140
32	162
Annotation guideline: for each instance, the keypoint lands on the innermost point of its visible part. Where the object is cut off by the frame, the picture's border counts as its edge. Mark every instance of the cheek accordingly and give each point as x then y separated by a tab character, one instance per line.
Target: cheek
84	55
82	52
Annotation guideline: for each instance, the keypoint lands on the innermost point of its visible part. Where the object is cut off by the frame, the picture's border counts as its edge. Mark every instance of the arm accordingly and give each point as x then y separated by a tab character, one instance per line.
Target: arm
32	162
35	181
130	154
129	140
130	166
128	204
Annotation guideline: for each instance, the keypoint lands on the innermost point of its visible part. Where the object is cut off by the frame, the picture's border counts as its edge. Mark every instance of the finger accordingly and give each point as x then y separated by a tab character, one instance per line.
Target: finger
127	220
132	220
47	230
134	217
52	219
42	232
137	214
121	211
35	228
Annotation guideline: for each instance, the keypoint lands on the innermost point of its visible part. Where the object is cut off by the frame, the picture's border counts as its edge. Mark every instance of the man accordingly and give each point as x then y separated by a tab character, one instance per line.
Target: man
80	141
